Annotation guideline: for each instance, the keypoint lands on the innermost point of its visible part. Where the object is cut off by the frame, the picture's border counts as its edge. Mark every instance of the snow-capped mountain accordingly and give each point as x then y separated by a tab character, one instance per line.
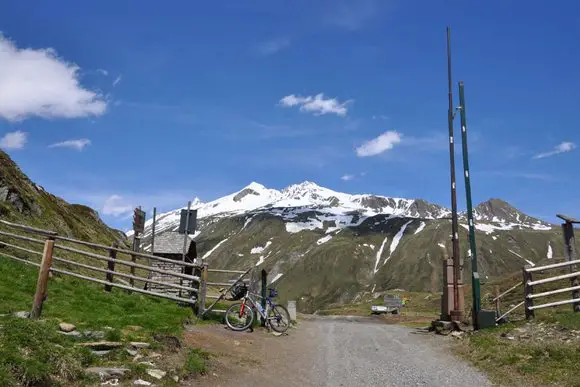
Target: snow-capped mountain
341	208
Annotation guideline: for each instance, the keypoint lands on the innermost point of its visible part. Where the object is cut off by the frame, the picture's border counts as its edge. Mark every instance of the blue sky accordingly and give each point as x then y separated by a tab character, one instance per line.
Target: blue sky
140	103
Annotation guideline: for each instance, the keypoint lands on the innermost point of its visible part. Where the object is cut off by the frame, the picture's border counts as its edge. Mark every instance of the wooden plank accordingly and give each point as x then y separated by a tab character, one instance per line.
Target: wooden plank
528	289
42	282
120	274
127	263
202	291
567	218
16	236
556	303
570	250
226	271
126	287
21	248
507	291
553	266
552	279
551	292
203	311
20	259
509	311
111	268
29	229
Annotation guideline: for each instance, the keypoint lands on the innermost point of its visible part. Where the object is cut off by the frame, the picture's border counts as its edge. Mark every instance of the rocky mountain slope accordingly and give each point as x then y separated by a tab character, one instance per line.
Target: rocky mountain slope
22	201
322	247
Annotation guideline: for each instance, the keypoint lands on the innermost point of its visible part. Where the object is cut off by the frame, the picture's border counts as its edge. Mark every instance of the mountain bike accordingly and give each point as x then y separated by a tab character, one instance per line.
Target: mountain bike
240	316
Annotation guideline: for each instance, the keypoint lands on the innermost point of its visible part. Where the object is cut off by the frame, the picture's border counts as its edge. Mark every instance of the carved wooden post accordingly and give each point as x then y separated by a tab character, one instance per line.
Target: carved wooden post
202	291
111	266
528	290
42	283
570	250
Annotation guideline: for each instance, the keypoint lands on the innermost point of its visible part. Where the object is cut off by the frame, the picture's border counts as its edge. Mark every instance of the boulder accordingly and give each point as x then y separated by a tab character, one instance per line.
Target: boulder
107	372
66	327
157	374
139	345
22	314
102	345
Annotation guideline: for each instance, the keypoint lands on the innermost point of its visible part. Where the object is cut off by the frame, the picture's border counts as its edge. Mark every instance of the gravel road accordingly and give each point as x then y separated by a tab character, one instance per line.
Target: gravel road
350	352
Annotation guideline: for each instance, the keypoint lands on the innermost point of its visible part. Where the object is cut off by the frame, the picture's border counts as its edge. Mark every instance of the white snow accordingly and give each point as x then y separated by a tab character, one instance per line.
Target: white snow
214	248
240	255
261	260
276	278
528	261
494	238
550	253
324	239
396	240
441	244
373	289
247	222
372	247
420	228
379	253
260	249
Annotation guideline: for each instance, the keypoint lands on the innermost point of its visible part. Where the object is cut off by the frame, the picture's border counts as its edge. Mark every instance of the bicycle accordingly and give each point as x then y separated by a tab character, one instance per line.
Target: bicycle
240	316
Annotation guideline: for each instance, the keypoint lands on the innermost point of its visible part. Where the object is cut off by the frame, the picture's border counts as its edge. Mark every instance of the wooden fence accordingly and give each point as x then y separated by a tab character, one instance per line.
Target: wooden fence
50	262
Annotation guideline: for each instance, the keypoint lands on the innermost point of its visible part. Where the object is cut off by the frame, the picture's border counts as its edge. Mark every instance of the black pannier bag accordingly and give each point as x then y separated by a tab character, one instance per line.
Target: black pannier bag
239	291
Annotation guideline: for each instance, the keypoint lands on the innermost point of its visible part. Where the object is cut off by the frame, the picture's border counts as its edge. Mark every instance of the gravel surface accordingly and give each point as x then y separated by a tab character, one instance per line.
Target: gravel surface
331	351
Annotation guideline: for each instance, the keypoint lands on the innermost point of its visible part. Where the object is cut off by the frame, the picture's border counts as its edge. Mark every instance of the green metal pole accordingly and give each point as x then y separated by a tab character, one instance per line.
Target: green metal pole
474	274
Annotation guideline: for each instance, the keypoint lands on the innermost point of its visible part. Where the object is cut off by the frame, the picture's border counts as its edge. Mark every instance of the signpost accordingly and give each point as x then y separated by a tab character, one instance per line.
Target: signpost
187	225
138	228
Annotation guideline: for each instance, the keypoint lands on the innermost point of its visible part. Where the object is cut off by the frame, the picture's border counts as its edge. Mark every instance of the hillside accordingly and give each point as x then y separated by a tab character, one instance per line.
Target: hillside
324	247
22	201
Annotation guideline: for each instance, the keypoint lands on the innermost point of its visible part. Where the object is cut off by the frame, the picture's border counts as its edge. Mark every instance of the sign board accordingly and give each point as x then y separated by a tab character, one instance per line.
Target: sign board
138	220
191	225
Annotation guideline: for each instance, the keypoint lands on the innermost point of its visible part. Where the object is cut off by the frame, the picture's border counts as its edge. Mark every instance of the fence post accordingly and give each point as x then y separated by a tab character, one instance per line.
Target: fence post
528	290
42	283
202	291
111	266
570	250
264	292
136	243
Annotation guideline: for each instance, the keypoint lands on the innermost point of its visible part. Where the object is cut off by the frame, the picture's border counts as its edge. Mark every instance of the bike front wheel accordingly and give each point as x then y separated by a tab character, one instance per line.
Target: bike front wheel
239	318
279	318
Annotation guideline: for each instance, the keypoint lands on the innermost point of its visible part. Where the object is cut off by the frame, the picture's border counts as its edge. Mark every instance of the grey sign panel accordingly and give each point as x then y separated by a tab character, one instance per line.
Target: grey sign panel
191	225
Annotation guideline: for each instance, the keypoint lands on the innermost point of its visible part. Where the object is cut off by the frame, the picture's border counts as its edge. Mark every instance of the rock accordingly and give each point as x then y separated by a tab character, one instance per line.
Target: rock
147	363
154	355
106	372
102	345
131	352
457	334
141	382
158	374
22	314
175	378
66	327
73	333
138	345
137	357
277	333
510	338
94	334
236	342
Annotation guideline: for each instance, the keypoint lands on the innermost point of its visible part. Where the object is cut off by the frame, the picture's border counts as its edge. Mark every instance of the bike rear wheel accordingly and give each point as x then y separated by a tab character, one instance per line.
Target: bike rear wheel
279	318
238	320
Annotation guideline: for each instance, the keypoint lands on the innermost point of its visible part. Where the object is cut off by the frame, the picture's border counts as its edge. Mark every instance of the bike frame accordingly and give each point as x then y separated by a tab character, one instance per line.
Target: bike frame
249	298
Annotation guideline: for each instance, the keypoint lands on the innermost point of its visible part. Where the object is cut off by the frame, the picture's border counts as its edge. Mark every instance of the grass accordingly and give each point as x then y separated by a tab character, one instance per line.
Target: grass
33	353
525	362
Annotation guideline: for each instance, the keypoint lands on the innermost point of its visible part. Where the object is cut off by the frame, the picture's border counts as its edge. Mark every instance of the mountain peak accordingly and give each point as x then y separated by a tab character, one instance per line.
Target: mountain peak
255	186
499	211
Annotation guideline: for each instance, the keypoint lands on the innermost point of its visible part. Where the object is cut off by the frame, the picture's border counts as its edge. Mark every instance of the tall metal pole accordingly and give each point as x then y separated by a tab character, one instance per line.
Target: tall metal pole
153	230
474	274
457	307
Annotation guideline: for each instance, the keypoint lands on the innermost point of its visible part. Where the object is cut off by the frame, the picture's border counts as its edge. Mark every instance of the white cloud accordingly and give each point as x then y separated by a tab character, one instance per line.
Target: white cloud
564	147
36	82
273	46
317	104
103	72
73	144
14	140
347	177
115	205
379	145
117	80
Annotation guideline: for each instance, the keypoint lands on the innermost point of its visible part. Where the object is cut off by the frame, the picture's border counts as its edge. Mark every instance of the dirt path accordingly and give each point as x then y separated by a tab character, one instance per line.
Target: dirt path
332	352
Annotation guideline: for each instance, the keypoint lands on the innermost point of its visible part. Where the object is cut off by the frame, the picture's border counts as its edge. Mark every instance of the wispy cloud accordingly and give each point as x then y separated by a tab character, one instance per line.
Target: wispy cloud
14	140
78	145
117	80
272	46
349	177
560	148
382	143
317	105
103	72
36	82
352	14
116	205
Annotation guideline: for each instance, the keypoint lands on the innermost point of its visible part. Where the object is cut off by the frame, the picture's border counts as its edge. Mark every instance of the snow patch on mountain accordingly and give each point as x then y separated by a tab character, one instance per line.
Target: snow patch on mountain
528	261
213	249
260	249
379	253
324	240
550	253
276	278
420	228
396	240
